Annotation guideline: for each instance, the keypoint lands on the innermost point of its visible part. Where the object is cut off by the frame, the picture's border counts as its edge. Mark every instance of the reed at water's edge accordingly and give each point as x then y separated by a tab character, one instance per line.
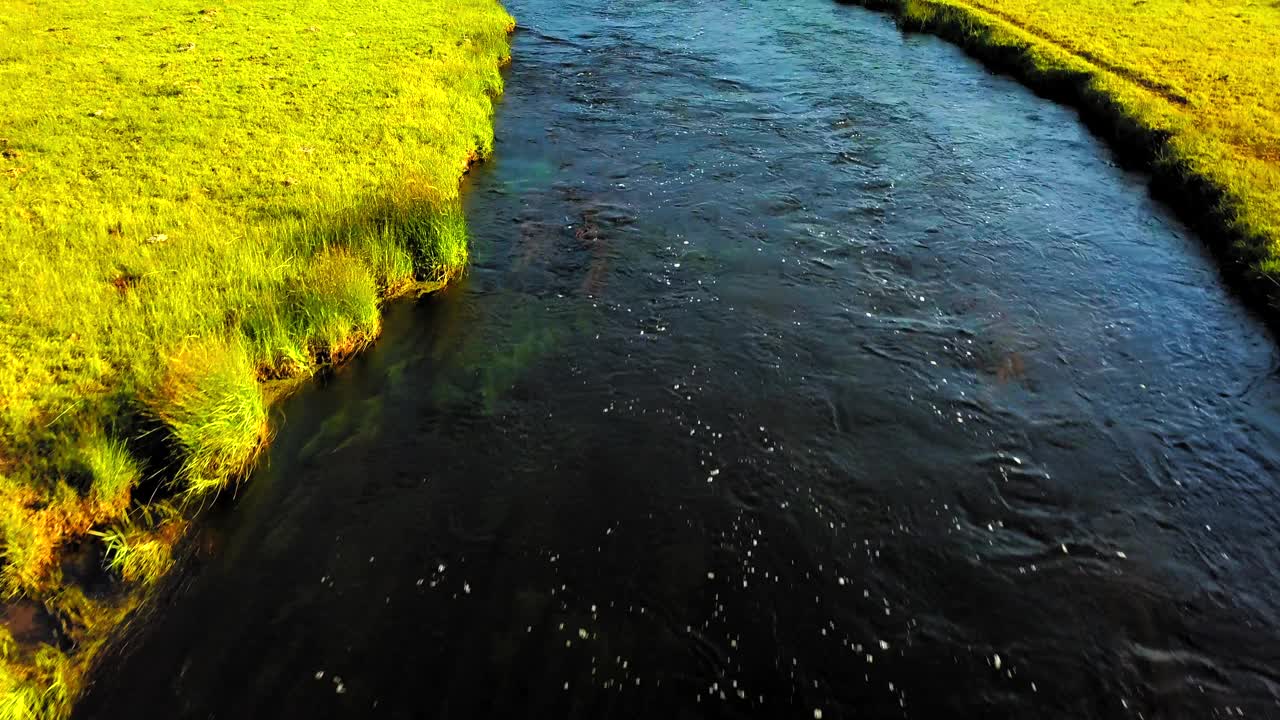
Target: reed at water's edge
201	204
1187	90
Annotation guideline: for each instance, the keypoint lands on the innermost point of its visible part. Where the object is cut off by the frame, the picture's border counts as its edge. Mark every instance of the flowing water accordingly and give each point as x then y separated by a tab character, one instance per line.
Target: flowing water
804	370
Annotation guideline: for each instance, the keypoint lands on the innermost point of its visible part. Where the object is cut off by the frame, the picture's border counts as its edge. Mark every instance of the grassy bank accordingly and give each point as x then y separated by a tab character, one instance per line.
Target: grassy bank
1191	88
200	201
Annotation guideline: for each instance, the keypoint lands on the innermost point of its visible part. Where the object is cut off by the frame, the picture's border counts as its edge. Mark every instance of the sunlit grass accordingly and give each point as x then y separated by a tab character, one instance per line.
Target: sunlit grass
34	689
211	402
1194	85
142	551
112	470
195	198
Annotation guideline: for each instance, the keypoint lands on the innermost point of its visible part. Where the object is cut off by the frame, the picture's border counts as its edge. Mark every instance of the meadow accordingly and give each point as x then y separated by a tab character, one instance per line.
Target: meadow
202	202
1189	88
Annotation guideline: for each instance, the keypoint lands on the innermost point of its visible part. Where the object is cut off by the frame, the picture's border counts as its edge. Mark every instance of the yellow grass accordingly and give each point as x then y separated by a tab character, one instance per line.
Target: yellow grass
197	196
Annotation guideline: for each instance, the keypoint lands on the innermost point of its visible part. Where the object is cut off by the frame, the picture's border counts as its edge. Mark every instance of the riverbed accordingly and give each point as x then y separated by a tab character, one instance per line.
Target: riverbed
804	370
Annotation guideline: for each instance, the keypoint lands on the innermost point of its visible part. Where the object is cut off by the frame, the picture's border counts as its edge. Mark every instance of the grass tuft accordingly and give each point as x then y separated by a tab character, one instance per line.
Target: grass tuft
112	470
141	555
336	304
212	403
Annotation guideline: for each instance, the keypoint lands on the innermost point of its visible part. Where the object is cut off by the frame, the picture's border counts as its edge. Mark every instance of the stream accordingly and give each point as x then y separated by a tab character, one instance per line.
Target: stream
804	370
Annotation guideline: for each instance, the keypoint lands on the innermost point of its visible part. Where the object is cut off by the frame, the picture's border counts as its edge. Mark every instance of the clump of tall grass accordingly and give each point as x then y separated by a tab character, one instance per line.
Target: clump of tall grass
141	550
210	400
112	470
435	227
336	304
137	556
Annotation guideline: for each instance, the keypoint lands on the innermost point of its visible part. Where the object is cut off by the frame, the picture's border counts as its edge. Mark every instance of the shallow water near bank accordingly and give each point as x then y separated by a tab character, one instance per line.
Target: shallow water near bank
804	369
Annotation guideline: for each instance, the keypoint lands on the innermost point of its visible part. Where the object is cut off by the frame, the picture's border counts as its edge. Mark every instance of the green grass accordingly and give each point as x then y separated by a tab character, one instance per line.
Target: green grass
198	199
143	553
215	411
113	472
1187	86
38	691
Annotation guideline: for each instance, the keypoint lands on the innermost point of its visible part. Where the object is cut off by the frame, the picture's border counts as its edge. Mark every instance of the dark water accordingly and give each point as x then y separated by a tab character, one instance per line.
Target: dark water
804	368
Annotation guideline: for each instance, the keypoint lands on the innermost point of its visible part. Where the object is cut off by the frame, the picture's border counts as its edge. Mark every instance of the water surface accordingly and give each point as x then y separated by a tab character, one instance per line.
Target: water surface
804	369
